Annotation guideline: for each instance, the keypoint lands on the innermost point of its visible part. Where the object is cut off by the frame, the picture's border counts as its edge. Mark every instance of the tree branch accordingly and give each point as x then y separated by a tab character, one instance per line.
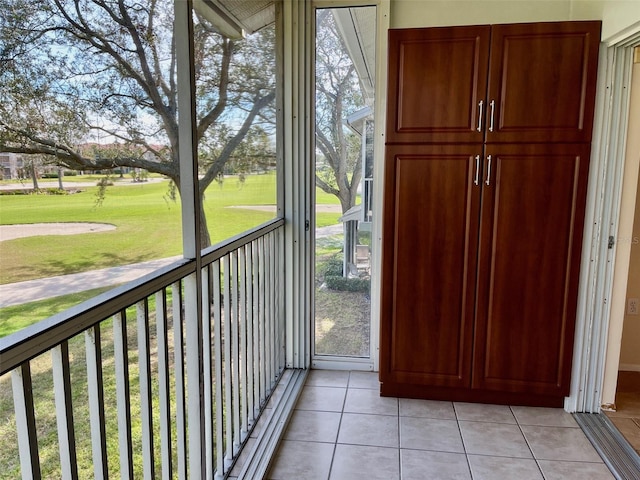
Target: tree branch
232	144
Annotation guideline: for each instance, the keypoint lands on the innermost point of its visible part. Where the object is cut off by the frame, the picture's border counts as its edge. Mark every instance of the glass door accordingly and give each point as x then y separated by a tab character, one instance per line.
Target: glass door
344	96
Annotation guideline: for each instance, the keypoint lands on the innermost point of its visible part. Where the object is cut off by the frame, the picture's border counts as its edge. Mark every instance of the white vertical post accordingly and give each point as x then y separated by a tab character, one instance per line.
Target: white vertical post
219	379
249	319
96	402
190	201
207	377
242	322
122	395
255	252
64	410
146	405
234	318
25	422
163	385
178	347
261	321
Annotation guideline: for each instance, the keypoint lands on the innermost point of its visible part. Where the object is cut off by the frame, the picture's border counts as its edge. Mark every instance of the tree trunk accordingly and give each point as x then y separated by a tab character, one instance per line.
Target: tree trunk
60	175
205	238
34	177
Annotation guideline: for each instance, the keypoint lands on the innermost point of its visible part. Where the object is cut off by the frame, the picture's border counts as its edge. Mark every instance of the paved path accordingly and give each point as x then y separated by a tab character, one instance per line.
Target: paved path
43	288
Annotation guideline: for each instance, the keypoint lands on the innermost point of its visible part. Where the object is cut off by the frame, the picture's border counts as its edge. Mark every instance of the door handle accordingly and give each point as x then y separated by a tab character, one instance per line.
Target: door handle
480	108
493	107
488	181
476	180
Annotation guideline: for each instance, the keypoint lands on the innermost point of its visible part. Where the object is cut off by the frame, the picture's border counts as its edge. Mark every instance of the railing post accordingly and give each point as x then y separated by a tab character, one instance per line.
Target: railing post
25	422
191	233
64	411
93	348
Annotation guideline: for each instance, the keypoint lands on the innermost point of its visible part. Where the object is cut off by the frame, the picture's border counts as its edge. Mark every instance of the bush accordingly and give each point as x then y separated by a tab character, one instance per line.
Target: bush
332	267
343	284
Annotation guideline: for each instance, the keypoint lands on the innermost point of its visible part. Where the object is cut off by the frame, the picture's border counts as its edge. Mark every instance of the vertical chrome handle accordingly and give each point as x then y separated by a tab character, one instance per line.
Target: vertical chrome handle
493	107
488	181
476	180
480	108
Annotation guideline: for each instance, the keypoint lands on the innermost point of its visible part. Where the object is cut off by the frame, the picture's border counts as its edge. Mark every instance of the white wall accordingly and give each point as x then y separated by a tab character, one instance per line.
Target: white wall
618	16
630	353
435	13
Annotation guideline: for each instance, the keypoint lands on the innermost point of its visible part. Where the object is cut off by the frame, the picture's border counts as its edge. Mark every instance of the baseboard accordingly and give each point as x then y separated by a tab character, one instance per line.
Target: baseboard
629	367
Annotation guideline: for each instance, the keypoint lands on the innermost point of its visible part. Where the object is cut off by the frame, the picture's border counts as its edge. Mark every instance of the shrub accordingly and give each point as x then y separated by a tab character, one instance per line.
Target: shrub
343	284
332	267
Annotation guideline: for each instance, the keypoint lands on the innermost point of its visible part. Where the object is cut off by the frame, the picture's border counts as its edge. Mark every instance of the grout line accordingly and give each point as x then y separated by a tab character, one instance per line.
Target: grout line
464	447
527	442
399	439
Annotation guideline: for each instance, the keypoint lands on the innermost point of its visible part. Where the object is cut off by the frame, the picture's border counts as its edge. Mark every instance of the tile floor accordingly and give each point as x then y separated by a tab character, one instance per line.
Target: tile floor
627	416
342	429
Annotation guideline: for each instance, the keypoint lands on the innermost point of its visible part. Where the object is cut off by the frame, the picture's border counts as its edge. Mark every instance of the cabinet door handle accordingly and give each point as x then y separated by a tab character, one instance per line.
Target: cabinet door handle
488	181
476	180
493	107
480	107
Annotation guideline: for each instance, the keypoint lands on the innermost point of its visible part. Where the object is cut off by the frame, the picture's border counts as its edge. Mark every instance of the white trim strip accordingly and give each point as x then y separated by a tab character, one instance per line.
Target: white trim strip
121	359
146	403
163	384
95	392
267	442
64	410
25	422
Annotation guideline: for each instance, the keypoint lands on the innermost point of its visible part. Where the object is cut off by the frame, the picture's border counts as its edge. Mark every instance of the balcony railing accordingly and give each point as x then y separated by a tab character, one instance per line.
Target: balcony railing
106	389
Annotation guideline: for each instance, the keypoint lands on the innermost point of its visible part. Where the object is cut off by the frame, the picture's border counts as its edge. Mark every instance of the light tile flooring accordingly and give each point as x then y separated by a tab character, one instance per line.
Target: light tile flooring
627	416
342	429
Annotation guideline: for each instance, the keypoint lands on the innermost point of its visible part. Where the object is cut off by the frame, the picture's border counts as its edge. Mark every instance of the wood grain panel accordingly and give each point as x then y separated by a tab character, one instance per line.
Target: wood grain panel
437	77
431	228
531	237
542	78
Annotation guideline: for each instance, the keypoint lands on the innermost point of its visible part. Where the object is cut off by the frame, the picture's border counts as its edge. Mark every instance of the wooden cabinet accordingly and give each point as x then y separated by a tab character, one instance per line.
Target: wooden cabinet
501	83
437	81
433	213
484	210
529	256
542	82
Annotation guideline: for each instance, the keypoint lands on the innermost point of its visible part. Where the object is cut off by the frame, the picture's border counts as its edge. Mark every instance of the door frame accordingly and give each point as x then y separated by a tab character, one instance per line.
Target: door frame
596	330
335	362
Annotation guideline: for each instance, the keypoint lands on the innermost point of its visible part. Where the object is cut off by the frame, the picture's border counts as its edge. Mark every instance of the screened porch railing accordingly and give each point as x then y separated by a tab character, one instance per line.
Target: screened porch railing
102	390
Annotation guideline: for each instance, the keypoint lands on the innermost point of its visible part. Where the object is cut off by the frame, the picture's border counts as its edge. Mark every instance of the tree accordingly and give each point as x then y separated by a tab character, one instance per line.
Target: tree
338	95
71	68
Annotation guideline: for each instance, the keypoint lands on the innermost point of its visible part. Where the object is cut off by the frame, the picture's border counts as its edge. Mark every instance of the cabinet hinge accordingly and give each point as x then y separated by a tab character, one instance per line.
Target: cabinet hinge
612	242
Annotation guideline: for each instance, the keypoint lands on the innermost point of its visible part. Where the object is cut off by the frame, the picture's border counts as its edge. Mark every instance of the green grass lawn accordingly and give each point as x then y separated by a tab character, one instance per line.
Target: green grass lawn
148	227
148	224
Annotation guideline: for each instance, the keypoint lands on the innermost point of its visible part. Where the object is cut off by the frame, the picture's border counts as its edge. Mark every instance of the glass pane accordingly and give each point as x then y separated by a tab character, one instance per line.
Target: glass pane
89	164
236	82
345	73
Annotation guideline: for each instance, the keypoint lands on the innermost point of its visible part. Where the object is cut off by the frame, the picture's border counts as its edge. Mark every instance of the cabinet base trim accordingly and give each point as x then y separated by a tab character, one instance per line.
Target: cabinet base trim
466	395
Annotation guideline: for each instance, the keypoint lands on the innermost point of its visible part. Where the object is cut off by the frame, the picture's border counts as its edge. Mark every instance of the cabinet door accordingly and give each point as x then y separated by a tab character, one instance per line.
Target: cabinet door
437	79
431	218
529	260
542	82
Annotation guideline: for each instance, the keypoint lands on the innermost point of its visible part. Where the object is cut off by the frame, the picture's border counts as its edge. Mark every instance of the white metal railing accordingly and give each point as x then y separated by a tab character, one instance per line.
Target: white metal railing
104	384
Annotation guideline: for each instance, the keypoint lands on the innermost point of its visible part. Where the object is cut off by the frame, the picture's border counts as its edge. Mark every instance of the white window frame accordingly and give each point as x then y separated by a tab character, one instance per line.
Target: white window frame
601	222
371	363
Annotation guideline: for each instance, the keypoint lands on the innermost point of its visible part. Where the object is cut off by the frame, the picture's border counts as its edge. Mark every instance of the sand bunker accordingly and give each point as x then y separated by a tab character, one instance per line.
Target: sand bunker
9	232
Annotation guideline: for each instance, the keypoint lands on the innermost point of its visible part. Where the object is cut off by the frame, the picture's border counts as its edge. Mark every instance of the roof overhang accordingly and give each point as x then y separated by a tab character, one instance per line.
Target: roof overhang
237	18
357	27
